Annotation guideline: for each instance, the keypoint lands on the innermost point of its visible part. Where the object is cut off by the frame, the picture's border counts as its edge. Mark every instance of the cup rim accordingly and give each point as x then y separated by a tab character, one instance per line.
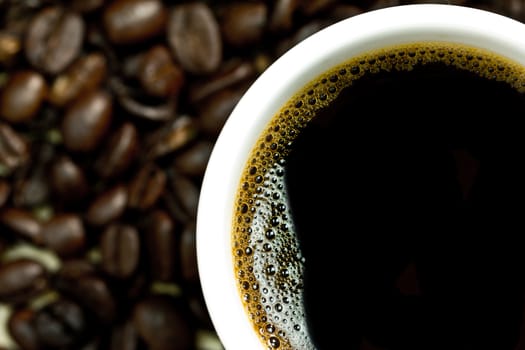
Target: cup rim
276	85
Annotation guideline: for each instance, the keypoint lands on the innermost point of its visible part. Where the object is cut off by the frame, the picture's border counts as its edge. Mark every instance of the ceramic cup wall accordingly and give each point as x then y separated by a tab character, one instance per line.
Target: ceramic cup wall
296	68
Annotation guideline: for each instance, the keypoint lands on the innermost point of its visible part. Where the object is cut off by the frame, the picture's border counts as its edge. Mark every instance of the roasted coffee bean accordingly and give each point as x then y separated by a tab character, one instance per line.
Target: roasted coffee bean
54	39
21	279
93	344
193	160
159	74
14	149
3	245
120	248
302	33
188	254
244	23
86	5
10	46
194	37
68	181
32	188
5	190
281	18
343	11
21	327
132	103
86	121
108	206
161	245
513	8
162	324
146	187
313	7
198	308
89	290
64	234
378	4
214	110
74	269
231	73
124	337
121	150
132	65
84	75
132	21
60	324
184	196
170	137
23	224
22	96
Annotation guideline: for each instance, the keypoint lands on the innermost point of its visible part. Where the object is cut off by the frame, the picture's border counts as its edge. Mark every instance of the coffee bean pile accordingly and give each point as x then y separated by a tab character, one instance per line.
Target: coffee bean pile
109	110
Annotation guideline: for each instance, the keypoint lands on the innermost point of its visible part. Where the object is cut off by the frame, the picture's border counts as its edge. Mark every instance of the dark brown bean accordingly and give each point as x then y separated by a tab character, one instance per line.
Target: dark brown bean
87	121
32	187
14	148
64	234
60	324
93	344
193	160
198	308
146	187
132	103
84	75
120	248
21	328
22	96
188	254
281	18
132	21
159	74
170	137
302	33
21	280
67	179
10	46
161	245
215	110
378	4
132	64
313	7
162	325
120	152
75	269
90	291
243	23
23	224
124	337
108	206
194	37
86	5
185	195
5	191
343	11
231	72
512	8
54	39
3	244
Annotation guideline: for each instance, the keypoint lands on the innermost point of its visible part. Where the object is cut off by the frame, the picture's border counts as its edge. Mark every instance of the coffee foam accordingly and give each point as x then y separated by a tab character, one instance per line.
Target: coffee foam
267	259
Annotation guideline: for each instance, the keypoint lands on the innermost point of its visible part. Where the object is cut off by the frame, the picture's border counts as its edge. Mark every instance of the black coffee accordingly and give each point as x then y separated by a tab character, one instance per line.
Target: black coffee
405	158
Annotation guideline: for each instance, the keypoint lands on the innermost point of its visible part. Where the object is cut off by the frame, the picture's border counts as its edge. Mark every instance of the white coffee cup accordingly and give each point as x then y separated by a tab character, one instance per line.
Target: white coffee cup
297	67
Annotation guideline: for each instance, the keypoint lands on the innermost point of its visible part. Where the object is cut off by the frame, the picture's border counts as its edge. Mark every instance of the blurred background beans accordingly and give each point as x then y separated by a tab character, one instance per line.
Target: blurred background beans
109	110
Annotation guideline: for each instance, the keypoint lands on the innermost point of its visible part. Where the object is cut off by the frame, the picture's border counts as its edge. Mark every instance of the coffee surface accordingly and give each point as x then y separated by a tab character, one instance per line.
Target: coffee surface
407	157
